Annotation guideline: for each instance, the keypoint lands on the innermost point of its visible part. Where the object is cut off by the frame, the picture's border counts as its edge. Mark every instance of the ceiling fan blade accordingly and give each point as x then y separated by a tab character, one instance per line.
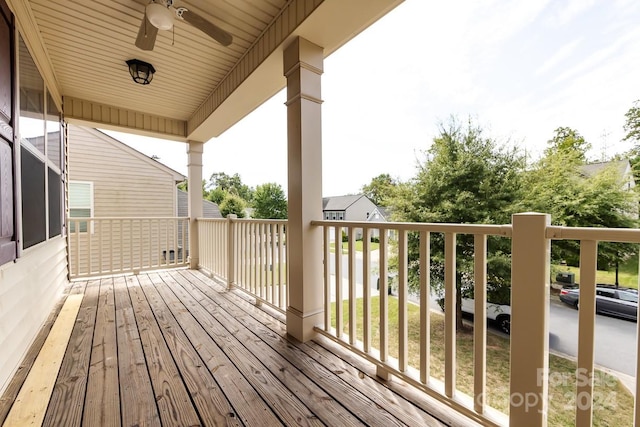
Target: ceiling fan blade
146	35
212	30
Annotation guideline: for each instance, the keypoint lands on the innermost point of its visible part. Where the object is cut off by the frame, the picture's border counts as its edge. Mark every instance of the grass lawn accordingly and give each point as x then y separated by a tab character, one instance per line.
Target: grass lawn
345	246
628	279
613	404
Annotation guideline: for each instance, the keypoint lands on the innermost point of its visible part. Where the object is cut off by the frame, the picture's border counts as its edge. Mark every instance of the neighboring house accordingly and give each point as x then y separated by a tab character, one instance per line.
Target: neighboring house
622	166
109	179
379	214
356	207
209	209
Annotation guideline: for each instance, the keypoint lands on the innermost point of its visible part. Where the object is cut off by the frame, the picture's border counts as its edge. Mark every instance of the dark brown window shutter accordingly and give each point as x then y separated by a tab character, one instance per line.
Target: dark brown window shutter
7	173
7	225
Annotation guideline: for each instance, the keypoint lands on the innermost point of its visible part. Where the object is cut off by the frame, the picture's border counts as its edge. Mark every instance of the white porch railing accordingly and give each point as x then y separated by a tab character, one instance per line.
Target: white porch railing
249	254
101	246
531	235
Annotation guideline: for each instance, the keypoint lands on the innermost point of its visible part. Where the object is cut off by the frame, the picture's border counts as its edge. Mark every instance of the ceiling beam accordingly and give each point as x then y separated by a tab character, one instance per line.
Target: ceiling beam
80	111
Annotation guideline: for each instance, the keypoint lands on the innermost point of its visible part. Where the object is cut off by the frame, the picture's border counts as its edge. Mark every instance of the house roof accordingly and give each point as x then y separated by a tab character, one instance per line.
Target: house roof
592	169
201	88
209	209
340	203
177	176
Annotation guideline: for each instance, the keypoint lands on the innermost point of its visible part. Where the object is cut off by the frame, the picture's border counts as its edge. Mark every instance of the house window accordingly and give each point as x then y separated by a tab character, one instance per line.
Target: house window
41	160
80	203
340	216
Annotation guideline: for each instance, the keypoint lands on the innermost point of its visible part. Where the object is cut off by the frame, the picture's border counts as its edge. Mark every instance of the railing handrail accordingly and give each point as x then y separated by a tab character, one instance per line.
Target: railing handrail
504	230
601	234
118	218
247	220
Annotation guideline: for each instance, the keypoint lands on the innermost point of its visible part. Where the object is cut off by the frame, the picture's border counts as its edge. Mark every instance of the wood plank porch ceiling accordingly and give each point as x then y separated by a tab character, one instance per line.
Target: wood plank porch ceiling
176	348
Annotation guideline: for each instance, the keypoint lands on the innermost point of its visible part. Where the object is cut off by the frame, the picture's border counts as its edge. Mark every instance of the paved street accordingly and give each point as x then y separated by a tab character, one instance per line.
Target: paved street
615	338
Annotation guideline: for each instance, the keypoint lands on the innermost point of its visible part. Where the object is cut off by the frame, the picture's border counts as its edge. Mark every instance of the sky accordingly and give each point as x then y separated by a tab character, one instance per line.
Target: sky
518	69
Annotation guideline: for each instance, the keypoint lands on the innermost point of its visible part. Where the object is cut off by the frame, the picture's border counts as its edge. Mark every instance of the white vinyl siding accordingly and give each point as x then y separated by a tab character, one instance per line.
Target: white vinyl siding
30	289
80	203
126	183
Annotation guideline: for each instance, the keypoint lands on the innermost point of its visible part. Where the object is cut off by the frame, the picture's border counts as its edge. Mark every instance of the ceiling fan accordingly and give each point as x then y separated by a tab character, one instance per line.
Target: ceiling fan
161	15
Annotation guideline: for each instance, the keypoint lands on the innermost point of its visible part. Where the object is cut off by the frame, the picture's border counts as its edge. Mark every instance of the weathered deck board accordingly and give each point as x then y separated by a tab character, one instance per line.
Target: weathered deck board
273	331
250	408
102	384
67	400
287	405
174	402
175	348
299	364
211	403
137	401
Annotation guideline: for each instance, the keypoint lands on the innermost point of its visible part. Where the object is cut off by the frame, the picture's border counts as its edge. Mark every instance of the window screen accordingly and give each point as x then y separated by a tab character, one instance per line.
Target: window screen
34	226
55	204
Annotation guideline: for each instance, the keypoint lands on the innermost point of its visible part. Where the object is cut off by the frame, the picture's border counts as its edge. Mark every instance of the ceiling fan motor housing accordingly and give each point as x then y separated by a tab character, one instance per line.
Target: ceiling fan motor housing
160	16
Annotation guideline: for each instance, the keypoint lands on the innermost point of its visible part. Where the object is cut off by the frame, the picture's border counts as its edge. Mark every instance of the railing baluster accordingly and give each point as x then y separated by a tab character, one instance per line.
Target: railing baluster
480	322
403	297
338	273
586	331
89	252
261	260
282	275
121	246
327	283
352	285
425	318
111	268
272	239
366	289
77	230
450	314
384	307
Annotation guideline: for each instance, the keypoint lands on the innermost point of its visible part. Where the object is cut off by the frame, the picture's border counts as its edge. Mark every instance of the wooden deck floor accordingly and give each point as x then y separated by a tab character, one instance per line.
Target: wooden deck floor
174	348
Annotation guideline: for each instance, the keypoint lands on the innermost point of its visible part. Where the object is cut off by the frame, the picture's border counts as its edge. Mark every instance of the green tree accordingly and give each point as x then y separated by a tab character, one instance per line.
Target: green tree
231	184
269	202
217	195
232	204
381	189
632	123
568	140
632	134
558	184
466	177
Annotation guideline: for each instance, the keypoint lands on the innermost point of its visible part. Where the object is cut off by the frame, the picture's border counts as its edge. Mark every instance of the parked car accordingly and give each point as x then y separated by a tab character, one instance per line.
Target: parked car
619	302
498	313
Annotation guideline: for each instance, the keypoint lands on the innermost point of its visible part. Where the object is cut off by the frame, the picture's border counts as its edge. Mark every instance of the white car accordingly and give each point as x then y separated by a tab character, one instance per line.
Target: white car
501	314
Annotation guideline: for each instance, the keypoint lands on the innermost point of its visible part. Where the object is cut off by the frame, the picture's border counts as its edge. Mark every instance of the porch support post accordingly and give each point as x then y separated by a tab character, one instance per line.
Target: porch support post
530	255
303	62
194	151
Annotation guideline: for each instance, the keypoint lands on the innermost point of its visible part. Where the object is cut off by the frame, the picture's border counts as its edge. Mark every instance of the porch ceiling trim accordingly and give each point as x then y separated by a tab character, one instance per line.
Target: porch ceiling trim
89	113
291	16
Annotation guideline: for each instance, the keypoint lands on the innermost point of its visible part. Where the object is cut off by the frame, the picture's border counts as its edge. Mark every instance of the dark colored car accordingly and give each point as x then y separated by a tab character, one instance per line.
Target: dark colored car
619	302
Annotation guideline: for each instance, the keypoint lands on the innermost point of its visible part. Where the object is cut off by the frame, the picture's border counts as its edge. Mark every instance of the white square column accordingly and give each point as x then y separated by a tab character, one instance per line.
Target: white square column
303	69
194	152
